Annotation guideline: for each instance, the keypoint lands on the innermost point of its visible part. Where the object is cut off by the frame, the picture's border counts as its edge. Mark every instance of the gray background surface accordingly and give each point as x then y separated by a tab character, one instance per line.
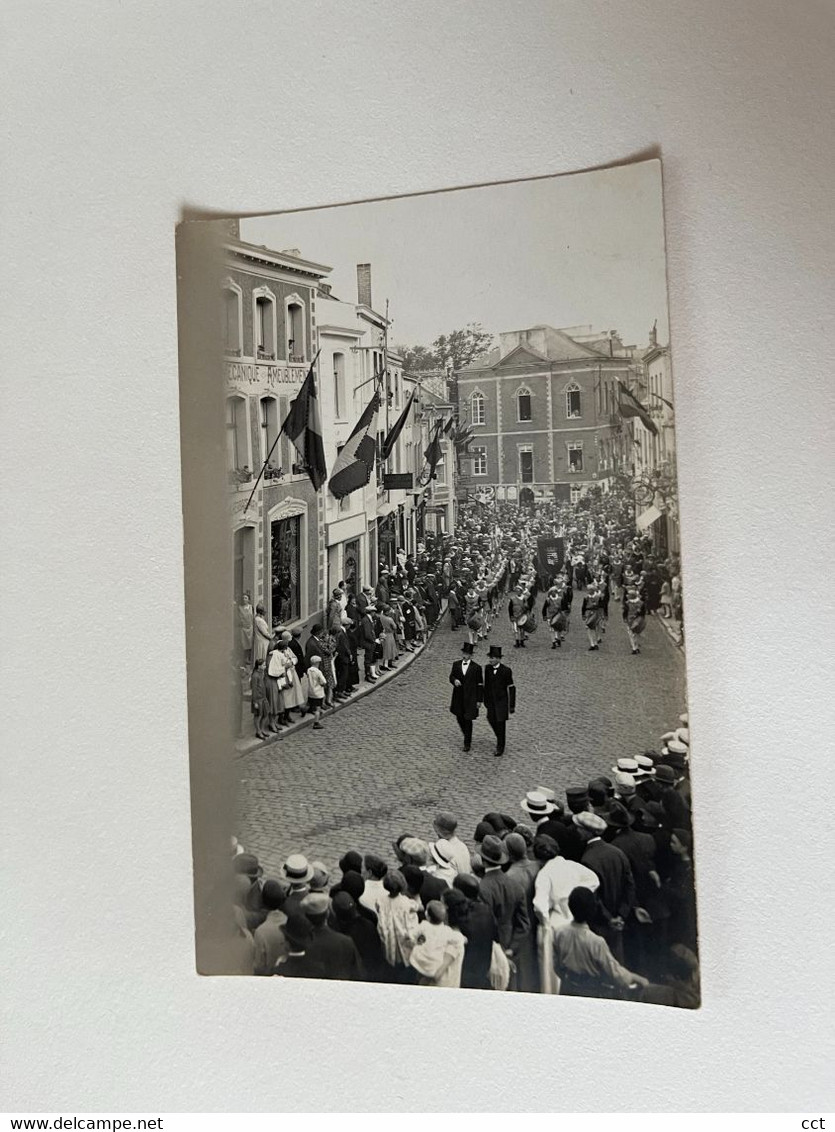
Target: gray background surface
114	116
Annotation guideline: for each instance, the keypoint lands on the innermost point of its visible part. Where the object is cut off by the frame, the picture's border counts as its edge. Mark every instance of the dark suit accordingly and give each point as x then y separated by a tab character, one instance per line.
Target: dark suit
499	700
465	700
335	953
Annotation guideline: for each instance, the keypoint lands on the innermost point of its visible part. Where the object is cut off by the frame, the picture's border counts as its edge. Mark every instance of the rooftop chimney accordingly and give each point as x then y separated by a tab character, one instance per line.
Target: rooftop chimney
364	284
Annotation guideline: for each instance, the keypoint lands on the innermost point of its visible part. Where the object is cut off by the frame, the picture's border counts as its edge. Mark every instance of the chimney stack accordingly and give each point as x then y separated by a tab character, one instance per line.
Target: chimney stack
364	284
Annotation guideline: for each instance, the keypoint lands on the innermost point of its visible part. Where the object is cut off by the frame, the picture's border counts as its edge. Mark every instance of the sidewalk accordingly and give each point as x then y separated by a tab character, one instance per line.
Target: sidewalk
672	628
248	743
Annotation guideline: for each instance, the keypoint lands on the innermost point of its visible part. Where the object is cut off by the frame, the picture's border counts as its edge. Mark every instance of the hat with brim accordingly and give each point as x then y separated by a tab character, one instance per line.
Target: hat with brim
677	747
619	817
665	775
646	767
590	822
676	760
683	735
537	805
493	851
297	869
442	851
626	766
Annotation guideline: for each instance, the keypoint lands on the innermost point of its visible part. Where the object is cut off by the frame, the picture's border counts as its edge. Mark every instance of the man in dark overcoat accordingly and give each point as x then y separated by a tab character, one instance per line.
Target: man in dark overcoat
467	692
499	695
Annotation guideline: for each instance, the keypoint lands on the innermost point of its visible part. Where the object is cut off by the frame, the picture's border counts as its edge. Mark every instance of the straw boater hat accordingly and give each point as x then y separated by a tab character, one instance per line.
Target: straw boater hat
442	851
677	747
629	766
537	804
297	869
683	735
646	767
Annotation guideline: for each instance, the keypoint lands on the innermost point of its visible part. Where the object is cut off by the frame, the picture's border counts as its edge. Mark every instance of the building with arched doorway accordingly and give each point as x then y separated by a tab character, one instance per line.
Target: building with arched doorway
268	313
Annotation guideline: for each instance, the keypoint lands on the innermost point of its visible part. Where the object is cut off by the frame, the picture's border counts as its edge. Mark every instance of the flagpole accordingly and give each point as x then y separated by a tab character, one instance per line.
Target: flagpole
275	442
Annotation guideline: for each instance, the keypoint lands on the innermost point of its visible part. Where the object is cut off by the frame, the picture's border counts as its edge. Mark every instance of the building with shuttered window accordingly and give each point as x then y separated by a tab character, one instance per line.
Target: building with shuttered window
270	338
543	410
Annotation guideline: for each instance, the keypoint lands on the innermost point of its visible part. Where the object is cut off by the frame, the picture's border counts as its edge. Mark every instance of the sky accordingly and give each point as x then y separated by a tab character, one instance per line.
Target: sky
564	251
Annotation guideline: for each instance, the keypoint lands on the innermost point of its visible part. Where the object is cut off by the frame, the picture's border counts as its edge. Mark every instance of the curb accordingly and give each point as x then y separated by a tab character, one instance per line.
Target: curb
675	635
245	747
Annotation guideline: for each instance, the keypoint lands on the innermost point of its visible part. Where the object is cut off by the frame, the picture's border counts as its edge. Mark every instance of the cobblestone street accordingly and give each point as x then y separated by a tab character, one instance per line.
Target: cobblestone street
384	765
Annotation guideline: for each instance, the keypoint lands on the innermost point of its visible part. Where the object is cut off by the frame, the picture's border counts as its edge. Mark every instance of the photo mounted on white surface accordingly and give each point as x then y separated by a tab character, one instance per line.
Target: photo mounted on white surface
461	740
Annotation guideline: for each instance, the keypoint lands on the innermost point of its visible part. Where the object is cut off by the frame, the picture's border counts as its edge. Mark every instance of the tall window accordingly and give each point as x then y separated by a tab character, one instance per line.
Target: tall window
237	449
526	465
479	454
295	332
477	414
286	567
575	457
573	404
575	493
269	432
523	405
440	468
265	327
231	321
340	407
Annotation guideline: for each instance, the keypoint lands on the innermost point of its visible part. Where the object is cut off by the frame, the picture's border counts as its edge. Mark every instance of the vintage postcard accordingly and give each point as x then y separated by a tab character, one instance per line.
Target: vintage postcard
429	449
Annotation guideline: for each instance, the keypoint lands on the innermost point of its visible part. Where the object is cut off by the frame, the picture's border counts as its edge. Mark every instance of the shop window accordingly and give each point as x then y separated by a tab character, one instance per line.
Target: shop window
286	567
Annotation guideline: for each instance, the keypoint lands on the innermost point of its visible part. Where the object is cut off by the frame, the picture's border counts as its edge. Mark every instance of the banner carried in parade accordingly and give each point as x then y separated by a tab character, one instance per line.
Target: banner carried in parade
550	552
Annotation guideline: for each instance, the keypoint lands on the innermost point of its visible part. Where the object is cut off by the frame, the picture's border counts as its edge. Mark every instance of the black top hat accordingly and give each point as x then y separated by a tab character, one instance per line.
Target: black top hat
495	652
467	648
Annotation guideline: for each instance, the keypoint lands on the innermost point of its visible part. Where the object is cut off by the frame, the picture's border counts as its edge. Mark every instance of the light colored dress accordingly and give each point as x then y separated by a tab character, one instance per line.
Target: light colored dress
389	639
293	693
438	955
397	925
261	638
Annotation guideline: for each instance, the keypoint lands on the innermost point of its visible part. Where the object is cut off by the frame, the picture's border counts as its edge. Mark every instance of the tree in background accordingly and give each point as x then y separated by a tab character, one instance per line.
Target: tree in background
460	347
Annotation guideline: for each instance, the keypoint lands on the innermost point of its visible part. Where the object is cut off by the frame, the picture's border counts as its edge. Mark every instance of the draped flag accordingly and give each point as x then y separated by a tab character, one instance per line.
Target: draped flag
434	452
303	426
462	437
396	429
630	406
355	463
448	427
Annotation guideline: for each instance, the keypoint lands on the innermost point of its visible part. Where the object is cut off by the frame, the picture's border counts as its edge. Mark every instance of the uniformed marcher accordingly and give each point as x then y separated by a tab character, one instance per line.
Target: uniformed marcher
499	695
467	692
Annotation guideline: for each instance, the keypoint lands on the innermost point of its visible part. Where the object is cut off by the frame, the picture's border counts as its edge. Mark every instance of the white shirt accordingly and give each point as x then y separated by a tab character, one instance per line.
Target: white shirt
464	666
555	882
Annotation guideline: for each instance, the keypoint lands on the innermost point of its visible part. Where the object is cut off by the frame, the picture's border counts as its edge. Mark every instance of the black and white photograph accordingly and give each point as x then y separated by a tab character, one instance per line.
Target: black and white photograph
461	741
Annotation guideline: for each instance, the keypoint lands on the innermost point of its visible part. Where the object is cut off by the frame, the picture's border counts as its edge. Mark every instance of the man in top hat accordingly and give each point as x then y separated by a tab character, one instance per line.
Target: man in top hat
467	682
499	695
335	952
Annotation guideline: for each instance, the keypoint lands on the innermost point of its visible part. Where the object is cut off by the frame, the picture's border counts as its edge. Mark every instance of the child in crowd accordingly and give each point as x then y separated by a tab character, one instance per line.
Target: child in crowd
316	692
260	709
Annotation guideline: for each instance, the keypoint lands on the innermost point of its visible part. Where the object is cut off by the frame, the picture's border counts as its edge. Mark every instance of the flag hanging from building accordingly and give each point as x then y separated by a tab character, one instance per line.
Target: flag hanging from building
396	429
355	462
434	452
449	426
462	437
303	426
630	406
